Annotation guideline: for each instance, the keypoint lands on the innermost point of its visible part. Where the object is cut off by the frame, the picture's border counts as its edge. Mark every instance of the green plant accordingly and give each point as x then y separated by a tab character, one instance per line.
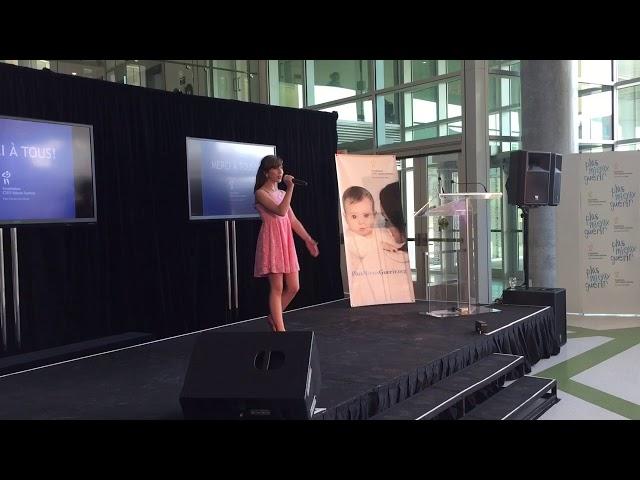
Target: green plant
443	223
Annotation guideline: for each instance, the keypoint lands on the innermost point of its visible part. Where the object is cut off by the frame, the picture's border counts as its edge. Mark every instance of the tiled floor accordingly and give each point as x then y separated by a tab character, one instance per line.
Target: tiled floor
597	370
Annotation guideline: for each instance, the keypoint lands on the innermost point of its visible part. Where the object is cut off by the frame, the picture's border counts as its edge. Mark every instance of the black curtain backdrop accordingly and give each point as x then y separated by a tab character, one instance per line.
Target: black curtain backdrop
144	266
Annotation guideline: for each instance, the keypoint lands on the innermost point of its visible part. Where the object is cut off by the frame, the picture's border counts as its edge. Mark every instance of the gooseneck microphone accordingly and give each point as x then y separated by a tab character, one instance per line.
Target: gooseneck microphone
469	183
297	181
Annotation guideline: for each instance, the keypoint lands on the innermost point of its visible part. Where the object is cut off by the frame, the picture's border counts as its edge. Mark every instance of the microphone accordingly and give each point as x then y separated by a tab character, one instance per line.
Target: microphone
469	183
297	181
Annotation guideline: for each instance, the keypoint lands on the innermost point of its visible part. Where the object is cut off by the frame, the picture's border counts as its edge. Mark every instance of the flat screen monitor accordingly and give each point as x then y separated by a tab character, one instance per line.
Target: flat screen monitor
46	172
221	176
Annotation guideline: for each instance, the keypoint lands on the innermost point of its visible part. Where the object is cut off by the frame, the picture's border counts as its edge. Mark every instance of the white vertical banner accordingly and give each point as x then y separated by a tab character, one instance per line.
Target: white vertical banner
610	232
570	236
375	243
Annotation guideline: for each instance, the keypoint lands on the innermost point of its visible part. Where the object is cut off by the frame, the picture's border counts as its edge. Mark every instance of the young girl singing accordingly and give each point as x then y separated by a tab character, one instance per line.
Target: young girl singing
276	256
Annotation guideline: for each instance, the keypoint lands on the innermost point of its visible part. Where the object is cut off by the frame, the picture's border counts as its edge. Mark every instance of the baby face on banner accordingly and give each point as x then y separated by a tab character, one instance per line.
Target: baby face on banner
360	216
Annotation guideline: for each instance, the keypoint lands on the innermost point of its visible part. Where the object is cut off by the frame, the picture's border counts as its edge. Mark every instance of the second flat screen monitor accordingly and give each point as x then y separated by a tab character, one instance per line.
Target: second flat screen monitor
221	177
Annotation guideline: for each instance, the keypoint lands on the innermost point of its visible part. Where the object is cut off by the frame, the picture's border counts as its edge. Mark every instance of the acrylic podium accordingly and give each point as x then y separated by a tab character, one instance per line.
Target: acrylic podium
462	206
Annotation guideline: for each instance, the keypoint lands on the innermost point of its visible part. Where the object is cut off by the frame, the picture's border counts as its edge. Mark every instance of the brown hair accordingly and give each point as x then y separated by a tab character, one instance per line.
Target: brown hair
266	164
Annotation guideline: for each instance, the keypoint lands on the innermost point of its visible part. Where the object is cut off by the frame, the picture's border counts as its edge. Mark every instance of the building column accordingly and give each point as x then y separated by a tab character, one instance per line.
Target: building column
475	168
549	112
268	82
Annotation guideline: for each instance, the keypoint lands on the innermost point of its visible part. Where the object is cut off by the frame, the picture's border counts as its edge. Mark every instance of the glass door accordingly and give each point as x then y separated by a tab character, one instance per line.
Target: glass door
431	239
507	247
231	79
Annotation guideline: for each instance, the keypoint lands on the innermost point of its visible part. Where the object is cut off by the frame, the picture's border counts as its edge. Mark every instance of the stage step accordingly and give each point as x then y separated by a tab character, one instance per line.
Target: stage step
525	399
453	389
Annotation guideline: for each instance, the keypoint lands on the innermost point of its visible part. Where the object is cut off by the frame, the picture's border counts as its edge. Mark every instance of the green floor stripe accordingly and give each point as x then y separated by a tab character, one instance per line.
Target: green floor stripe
622	339
579	332
588	359
604	400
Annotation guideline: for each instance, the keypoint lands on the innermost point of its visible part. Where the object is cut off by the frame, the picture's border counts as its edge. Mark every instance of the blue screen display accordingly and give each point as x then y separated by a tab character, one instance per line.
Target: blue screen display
222	176
45	172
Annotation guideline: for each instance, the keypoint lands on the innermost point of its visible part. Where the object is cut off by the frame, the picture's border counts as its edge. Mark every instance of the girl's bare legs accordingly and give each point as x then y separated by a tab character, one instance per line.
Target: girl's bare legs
284	288
275	301
291	287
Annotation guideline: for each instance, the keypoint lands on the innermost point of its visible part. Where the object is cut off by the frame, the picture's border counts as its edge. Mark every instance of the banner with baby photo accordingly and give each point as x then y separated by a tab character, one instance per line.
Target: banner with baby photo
374	228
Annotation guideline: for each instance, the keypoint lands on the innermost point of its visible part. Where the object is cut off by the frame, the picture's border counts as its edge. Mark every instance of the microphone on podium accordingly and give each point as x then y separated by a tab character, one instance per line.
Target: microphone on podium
297	181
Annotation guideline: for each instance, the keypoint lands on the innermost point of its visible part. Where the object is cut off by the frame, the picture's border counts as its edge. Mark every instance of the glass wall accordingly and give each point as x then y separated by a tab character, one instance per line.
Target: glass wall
595	105
399	72
503	104
230	79
355	125
379	102
627	69
596	71
595	111
629	112
431	238
609	105
338	79
627	94
290	83
504	113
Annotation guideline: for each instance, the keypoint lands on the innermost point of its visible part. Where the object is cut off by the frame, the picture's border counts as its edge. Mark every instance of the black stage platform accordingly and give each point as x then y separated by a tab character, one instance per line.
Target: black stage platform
370	358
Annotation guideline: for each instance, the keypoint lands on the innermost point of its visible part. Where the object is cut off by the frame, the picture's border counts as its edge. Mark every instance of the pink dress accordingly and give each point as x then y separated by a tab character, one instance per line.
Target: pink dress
275	250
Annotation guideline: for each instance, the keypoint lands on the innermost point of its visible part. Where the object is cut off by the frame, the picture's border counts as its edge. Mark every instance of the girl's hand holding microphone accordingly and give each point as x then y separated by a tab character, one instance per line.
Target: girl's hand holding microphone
288	181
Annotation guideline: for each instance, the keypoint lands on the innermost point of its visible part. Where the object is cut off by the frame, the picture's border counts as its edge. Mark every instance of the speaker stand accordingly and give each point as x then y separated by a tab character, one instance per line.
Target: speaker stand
525	233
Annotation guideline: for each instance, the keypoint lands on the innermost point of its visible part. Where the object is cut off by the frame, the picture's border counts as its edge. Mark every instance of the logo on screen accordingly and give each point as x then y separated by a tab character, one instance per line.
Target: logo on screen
6	175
